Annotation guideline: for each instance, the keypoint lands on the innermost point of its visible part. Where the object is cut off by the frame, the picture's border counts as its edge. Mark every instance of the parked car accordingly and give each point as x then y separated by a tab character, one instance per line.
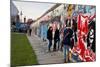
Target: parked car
21	27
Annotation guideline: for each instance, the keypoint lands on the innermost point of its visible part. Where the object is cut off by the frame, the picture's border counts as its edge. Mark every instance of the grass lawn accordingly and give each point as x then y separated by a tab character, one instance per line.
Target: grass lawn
21	51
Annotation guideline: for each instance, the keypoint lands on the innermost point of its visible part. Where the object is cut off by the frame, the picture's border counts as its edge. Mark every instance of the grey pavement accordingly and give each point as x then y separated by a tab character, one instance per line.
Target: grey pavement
41	50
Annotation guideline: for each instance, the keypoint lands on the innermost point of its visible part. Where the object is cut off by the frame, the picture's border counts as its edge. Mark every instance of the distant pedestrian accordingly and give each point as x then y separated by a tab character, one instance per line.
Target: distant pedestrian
56	39
49	37
30	31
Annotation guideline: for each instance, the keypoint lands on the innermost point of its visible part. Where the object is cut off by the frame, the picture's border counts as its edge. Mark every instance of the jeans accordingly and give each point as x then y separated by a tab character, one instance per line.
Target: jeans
56	43
50	44
66	50
54	47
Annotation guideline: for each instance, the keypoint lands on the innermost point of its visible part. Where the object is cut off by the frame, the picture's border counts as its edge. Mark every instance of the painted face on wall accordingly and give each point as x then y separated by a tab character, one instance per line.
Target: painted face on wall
91	36
69	10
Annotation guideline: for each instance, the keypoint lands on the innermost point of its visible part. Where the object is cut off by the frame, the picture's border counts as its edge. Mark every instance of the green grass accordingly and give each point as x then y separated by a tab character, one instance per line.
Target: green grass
21	51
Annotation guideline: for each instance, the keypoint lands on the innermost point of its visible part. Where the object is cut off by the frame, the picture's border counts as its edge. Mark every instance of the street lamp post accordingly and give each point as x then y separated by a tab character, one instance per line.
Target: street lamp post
21	15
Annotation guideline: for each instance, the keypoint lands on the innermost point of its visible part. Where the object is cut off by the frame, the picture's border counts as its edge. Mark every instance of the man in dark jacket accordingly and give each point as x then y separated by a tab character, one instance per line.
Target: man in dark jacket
49	37
67	42
56	39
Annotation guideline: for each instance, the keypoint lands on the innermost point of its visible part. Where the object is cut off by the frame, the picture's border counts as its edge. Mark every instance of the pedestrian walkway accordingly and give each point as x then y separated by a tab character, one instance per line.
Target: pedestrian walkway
41	50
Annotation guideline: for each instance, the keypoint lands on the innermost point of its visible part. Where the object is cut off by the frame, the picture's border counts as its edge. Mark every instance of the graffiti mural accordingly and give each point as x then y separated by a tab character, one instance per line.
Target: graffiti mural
58	33
69	10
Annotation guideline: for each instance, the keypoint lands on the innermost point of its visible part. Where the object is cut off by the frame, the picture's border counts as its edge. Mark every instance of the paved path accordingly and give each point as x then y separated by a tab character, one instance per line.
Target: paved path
43	56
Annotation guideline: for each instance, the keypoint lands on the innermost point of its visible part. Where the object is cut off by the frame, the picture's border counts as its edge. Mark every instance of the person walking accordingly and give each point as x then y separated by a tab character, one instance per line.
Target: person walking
30	31
56	39
49	37
67	42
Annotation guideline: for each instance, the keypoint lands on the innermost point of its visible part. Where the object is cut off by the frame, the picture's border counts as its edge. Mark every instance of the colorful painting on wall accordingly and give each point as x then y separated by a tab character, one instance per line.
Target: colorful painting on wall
52	33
